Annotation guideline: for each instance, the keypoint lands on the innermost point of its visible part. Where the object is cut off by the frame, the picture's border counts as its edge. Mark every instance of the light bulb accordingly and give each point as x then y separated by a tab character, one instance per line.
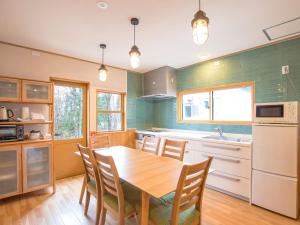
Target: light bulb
135	60
102	73
200	28
134	57
200	32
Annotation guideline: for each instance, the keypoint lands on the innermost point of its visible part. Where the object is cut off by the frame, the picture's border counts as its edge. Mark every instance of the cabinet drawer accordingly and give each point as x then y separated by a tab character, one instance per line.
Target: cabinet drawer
227	150
233	184
229	165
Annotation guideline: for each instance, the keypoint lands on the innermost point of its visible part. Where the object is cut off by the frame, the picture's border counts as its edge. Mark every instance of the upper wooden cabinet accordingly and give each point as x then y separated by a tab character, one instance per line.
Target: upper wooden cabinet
10	90
36	91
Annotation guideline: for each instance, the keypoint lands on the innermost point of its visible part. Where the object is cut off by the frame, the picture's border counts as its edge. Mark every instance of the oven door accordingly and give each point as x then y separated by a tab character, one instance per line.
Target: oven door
8	132
270	113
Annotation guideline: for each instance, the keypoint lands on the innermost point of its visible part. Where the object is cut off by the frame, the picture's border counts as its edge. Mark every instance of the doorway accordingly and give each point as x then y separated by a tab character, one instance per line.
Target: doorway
70	126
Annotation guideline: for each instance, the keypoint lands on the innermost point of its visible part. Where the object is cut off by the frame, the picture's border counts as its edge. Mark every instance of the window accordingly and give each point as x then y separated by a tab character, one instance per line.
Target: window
110	111
222	104
68	111
196	106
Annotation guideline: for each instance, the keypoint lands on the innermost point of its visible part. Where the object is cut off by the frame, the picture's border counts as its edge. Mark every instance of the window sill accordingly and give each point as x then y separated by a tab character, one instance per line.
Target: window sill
215	122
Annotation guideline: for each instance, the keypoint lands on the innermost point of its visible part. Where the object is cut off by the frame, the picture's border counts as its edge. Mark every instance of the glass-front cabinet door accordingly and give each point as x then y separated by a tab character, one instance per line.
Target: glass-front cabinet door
37	166
10	90
10	167
33	91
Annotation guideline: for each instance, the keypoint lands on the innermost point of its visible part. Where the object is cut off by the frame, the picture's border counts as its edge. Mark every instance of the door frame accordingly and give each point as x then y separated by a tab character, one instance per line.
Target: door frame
84	140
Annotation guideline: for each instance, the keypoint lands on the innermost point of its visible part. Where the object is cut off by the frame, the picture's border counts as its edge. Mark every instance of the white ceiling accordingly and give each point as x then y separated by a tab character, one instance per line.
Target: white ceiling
164	36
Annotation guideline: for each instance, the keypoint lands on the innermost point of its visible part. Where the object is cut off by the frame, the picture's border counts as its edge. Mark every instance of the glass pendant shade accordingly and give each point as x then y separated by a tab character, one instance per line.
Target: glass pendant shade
102	73
134	57
200	28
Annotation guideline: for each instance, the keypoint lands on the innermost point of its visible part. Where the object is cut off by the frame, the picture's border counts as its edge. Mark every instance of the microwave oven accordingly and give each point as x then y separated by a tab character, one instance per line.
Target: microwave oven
11	133
276	112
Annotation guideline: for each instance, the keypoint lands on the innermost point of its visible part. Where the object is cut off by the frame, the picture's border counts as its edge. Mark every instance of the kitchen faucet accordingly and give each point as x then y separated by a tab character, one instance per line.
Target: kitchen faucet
220	131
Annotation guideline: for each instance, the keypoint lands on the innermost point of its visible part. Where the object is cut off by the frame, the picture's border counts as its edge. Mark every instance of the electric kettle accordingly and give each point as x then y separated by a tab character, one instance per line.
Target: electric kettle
5	114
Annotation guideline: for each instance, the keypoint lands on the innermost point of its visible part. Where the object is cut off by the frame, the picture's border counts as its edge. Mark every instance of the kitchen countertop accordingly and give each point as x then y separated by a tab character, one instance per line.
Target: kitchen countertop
246	139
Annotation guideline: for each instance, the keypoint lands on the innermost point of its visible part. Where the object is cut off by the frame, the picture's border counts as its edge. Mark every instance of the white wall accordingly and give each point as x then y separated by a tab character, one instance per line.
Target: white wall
20	62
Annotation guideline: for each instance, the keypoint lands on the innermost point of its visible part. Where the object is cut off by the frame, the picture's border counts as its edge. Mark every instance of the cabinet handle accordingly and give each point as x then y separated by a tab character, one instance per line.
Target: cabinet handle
222	147
225	176
187	152
222	158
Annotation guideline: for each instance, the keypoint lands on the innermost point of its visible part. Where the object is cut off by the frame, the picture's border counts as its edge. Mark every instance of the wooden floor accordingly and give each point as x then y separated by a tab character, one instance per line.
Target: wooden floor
63	209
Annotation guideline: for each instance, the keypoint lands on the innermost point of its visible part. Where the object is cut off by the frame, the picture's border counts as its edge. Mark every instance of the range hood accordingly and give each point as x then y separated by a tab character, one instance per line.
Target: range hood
160	83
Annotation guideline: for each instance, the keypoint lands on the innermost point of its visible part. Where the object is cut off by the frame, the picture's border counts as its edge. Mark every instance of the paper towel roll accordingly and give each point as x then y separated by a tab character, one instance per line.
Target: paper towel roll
25	113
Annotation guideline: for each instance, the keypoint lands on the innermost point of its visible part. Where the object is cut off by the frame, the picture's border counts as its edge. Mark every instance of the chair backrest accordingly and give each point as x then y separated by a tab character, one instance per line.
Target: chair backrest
100	141
190	187
91	172
151	144
174	149
109	179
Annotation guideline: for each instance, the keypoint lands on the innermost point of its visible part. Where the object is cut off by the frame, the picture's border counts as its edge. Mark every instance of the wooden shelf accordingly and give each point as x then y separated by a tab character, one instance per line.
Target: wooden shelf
26	102
26	122
24	142
8	165
38	172
38	161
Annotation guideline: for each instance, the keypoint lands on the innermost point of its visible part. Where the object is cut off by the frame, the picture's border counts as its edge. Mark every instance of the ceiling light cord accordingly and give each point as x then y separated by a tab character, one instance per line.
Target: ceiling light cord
102	55
199	4
134	35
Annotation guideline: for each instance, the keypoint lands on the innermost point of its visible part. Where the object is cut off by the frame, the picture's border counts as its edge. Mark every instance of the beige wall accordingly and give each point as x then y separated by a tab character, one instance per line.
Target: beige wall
20	62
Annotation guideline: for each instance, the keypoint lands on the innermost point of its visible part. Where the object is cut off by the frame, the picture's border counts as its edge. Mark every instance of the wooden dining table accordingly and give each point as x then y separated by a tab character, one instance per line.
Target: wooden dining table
154	175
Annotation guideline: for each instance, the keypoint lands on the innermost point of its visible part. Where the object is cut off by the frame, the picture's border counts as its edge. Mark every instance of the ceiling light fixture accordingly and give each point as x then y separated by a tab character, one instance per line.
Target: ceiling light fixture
200	27
134	52
102	5
102	70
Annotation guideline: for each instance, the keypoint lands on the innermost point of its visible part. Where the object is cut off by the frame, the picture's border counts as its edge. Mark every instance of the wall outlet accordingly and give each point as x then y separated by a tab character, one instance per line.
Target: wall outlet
285	70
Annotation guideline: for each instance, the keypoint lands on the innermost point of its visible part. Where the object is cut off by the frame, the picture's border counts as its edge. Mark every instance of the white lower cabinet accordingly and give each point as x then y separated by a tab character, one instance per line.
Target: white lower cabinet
235	185
231	165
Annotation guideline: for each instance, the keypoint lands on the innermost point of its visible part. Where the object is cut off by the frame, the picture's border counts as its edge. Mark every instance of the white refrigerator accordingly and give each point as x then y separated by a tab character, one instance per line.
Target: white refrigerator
275	168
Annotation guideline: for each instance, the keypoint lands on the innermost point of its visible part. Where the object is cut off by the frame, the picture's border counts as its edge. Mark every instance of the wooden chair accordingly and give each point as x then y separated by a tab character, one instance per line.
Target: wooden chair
151	144
174	149
100	141
112	191
91	181
185	207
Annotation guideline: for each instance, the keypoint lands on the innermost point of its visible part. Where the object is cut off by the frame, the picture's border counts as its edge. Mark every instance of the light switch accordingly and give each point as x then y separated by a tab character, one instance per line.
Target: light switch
285	70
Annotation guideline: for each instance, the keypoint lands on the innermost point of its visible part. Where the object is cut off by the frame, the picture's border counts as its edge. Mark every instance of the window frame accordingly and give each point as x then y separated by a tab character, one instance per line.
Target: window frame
210	90
122	112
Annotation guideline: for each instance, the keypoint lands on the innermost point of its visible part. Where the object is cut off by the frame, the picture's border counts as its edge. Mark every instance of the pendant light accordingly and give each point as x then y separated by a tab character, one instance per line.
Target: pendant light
134	52
102	70
200	27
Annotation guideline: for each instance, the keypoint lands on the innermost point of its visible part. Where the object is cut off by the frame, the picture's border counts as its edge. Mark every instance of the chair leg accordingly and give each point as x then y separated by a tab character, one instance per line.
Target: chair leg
82	190
103	216
121	221
98	211
136	218
87	202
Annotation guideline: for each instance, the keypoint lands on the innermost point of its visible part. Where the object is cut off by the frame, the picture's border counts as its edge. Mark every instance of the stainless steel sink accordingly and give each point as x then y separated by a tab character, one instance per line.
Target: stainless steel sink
223	138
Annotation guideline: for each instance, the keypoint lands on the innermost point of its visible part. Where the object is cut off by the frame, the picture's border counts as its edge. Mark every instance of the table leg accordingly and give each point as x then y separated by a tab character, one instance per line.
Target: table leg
145	208
82	189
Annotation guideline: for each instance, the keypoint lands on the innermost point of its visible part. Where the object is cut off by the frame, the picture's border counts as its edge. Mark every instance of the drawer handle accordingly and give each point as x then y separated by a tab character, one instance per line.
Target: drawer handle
223	147
222	158
225	176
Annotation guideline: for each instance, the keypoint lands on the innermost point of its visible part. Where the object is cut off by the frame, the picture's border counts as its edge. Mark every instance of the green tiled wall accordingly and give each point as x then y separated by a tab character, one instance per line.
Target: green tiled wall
139	111
261	65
